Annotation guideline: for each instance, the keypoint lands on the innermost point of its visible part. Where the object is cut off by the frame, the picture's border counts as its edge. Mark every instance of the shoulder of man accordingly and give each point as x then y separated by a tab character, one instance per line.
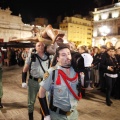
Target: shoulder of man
49	72
51	69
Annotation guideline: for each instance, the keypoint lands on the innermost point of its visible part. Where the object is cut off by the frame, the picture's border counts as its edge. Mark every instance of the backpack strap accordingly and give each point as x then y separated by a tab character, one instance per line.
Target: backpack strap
79	86
53	75
52	90
39	58
40	62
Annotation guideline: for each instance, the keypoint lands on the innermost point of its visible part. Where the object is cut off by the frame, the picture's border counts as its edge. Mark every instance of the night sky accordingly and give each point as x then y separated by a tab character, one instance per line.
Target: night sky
50	9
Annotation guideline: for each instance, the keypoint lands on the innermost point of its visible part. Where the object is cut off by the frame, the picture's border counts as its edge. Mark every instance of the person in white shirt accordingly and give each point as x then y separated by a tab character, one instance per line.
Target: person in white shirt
88	59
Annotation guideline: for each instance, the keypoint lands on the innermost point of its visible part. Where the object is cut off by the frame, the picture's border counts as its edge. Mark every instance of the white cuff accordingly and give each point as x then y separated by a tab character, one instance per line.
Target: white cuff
47	117
108	67
24	85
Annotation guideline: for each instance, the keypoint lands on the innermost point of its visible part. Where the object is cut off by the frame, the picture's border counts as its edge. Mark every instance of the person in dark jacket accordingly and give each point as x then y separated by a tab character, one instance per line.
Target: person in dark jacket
109	66
95	63
102	84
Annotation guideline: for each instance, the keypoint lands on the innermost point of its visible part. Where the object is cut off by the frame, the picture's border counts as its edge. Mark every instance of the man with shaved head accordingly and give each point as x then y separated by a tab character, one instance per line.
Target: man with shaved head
37	63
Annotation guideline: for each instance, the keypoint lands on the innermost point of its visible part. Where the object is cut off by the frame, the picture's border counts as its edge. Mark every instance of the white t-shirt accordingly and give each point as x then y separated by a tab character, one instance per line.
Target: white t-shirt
88	59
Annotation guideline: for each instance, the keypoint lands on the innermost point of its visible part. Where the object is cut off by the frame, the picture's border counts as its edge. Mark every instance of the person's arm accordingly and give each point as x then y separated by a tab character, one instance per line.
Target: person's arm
42	92
45	85
43	103
25	68
22	55
24	75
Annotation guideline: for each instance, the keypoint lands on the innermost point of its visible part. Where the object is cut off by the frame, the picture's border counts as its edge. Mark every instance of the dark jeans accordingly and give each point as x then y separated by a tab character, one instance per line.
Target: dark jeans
110	82
116	91
102	80
88	76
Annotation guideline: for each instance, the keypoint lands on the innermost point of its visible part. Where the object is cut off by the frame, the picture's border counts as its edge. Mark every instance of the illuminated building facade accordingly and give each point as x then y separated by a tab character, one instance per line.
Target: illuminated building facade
106	25
12	26
78	30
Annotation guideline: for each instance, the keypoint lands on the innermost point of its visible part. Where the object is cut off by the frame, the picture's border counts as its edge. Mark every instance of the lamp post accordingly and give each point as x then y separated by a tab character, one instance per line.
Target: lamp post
104	30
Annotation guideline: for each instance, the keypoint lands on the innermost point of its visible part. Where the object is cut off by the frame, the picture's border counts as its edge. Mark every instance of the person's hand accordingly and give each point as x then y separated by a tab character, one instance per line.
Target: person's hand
92	65
110	68
47	117
24	85
81	73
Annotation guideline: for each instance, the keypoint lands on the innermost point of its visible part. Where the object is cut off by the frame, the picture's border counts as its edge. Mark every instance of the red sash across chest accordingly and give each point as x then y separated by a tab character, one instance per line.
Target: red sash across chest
66	79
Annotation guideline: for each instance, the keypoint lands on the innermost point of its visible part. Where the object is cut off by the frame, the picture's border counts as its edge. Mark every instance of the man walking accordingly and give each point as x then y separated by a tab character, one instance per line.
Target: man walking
37	63
61	82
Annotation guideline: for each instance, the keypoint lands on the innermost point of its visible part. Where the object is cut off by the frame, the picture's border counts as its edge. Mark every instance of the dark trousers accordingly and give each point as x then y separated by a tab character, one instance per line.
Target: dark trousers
116	92
88	77
102	80
110	82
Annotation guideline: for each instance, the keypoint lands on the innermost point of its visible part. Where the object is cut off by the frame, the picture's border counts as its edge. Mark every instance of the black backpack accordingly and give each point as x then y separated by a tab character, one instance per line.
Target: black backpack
77	62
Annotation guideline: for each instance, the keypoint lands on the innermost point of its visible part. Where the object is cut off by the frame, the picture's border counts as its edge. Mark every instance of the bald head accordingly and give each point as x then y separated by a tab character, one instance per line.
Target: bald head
40	47
40	42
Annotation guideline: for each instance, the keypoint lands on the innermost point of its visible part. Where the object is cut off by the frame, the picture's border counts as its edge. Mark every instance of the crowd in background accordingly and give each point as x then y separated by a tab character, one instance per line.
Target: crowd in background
106	62
14	56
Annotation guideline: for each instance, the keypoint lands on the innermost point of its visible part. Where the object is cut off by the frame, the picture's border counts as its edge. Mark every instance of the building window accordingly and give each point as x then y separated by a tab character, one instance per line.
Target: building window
104	16
88	29
110	15
96	17
115	14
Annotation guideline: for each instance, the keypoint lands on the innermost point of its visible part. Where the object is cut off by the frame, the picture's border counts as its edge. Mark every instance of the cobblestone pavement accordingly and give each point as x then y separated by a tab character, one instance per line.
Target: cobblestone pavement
92	107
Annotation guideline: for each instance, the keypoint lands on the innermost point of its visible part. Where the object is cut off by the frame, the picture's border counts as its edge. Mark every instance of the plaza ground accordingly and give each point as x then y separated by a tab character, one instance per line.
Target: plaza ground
91	107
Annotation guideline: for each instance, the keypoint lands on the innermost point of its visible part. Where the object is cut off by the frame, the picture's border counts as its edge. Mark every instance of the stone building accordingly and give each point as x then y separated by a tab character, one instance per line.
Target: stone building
107	25
79	30
12	26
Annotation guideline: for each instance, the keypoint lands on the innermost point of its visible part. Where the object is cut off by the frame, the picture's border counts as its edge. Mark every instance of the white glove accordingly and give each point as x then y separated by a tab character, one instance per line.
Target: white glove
47	117
24	85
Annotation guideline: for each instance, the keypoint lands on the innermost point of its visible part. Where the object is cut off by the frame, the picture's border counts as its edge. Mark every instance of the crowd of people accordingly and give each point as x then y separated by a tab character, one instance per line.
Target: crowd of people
12	56
65	72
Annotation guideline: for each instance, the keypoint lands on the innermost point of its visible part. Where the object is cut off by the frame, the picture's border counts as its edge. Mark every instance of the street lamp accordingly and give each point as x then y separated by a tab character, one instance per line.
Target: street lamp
104	30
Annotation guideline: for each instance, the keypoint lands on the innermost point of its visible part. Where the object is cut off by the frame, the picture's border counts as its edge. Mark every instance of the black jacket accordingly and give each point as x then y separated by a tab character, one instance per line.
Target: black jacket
96	61
106	61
